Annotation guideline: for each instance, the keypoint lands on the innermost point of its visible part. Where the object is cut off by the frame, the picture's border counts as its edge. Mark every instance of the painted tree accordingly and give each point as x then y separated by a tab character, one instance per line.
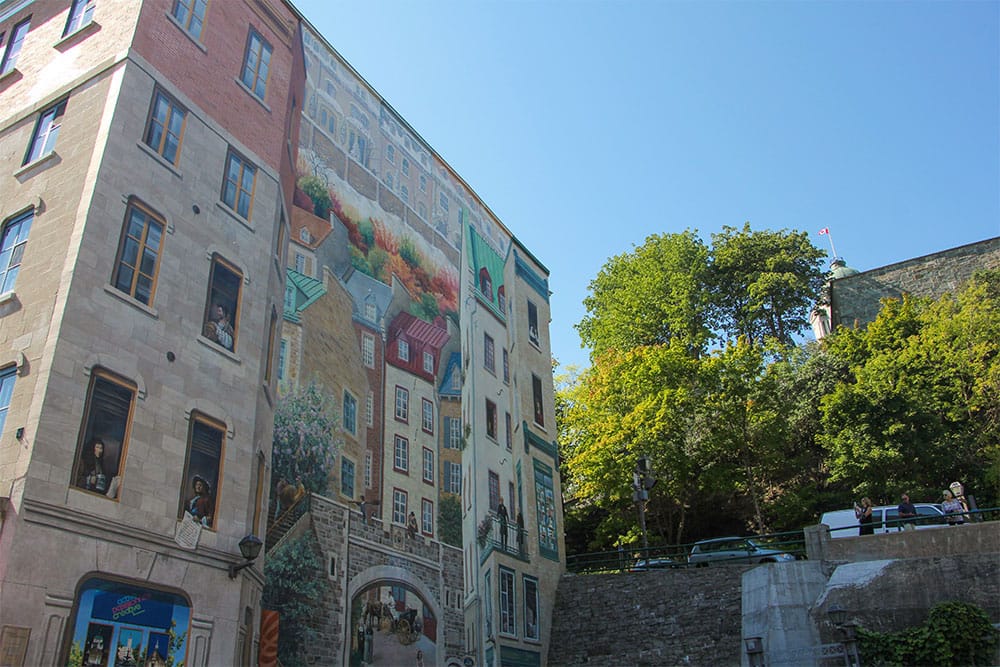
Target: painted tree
305	440
294	585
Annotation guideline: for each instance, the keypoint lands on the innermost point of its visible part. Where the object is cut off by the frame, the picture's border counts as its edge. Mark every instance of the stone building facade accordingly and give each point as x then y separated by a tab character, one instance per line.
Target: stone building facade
145	188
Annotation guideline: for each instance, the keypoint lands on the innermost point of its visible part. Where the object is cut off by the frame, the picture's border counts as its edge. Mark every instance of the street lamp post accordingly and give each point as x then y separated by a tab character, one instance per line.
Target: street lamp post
642	483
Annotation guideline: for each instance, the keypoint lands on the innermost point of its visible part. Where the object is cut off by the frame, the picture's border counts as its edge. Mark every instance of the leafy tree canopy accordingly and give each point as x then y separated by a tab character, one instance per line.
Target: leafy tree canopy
305	444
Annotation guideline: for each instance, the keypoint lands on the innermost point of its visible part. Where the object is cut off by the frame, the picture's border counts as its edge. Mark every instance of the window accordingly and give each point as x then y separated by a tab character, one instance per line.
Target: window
452	477
368	470
282	358
43	141
489	360
166	127
139	253
406	167
368	350
491	419
13	239
103	438
423	183
388	180
402	404
427	517
346	477
494	491
502	299
371	311
536	395
545	511
426	415
256	62
399	507
427	469
370	408
350	416
390	153
452	433
443	201
510	432
300	263
80	14
530	608
401	454
272	330
506	366
422	210
7	376
14	44
404	349
200	494
237	188
486	283
508	625
191	15
222	309
532	324
289	303
428	362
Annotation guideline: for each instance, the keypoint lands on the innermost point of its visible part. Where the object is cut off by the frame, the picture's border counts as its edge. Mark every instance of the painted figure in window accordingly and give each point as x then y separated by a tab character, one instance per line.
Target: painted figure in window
201	506
411	525
218	328
96	474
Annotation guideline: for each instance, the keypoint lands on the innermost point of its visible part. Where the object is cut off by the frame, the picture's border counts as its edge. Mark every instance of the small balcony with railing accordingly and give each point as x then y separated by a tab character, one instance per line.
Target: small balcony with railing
496	534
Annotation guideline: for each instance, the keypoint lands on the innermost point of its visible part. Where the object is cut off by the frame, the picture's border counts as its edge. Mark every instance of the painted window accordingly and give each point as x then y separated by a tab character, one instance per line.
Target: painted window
423	183
427	469
388	180
238	185
165	130
530	608
403	348
509	431
191	15
428	362
7	377
346	477
508	625
43	141
272	331
222	308
452	433
532	324
536	399
491	419
452	477
13	240
405	166
282	358
81	12
399	506
390	153
502	299
545	512
368	470
486	283
256	62
426	415
103	440
506	366
370	408
427	517
443	201
494	491
300	262
422	210
200	495
14	44
368	350
139	253
402	404
371	311
350	414
489	356
401	454
404	193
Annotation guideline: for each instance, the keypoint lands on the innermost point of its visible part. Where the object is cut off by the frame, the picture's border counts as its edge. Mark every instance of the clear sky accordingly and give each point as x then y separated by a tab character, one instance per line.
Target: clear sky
587	126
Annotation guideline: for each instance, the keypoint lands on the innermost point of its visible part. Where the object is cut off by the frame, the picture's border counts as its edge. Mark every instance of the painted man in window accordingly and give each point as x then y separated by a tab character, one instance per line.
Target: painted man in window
218	328
96	473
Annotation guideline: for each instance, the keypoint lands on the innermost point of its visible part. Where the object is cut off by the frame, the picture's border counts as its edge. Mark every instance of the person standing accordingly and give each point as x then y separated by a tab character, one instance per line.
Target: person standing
411	526
864	514
907	513
953	509
502	516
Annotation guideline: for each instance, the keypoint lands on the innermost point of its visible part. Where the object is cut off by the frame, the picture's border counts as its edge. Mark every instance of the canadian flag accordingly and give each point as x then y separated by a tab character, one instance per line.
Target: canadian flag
825	230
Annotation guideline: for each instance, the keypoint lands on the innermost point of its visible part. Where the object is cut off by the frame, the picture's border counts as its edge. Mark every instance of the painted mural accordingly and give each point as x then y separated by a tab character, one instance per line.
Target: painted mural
392	626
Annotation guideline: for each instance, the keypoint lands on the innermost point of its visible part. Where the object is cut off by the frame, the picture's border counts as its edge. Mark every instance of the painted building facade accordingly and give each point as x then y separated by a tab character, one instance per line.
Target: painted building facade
145	187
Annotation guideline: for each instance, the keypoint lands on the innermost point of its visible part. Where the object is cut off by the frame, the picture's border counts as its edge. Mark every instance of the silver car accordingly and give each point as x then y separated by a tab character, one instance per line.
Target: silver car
734	550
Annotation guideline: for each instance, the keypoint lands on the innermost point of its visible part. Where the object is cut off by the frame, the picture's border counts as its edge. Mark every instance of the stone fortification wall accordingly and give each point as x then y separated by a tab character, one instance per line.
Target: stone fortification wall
666	617
856	298
971	538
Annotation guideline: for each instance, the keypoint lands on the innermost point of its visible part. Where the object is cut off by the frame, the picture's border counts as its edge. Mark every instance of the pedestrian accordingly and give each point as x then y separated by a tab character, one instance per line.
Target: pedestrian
907	513
953	509
864	514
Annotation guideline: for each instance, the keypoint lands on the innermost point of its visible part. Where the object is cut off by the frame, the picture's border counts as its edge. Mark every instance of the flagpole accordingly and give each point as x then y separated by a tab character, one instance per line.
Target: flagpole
826	232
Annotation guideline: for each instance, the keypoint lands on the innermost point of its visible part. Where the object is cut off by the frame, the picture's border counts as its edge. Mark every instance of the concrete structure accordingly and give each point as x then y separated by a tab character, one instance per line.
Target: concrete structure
145	191
853	298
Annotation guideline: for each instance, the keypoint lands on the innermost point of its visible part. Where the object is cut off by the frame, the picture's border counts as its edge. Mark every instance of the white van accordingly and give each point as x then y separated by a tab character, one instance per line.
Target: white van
885	519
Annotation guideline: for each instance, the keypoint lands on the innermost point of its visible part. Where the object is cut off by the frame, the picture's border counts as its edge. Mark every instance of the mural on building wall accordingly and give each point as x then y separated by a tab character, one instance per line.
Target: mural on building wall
391	625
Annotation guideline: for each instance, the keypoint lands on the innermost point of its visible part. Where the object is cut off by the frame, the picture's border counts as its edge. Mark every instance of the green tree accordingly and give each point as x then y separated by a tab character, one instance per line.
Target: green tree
450	520
305	444
318	193
294	586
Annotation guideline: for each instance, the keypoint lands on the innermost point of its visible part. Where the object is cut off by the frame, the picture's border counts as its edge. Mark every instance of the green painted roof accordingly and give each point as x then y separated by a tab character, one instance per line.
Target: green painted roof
482	255
306	289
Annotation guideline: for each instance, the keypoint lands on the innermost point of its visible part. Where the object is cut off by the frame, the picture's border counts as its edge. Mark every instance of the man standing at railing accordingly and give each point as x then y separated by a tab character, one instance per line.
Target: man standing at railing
502	516
907	513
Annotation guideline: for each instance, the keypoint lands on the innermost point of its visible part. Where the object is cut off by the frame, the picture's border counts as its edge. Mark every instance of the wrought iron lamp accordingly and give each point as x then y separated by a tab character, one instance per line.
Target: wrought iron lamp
250	548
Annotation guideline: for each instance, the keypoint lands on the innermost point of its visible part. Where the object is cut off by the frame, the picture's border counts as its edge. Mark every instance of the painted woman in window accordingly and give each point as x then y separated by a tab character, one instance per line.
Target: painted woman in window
218	327
201	505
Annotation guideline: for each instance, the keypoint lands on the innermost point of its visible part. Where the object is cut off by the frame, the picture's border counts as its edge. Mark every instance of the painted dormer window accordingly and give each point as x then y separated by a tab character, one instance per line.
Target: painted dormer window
305	235
502	299
485	283
404	349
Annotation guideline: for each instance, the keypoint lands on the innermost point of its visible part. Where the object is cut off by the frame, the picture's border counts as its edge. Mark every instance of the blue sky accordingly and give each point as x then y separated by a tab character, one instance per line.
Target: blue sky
587	126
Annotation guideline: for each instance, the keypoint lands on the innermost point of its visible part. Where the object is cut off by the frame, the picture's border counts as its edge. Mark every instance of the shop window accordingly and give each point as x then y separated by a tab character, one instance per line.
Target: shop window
104	439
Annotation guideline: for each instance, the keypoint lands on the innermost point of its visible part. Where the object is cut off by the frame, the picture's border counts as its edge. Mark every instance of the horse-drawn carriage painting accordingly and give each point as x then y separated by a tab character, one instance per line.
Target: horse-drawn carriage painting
395	622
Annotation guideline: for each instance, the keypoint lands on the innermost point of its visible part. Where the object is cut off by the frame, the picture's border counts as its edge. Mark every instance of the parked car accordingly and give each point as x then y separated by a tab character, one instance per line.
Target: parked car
885	519
734	550
646	564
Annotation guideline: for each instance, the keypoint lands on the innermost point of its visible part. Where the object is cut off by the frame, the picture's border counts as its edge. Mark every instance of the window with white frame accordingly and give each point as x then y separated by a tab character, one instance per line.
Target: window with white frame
404	193
282	358
81	12
428	362
452	481
368	350
427	469
300	263
427	517
403	348
506	366
453	433
508	620
530	608
405	166
399	506
15	40
443	201
350	414
426	415
494	491
346	477
370	409
402	404
13	239
510	431
368	470
390	153
401	454
489	356
371	311
423	183
43	140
